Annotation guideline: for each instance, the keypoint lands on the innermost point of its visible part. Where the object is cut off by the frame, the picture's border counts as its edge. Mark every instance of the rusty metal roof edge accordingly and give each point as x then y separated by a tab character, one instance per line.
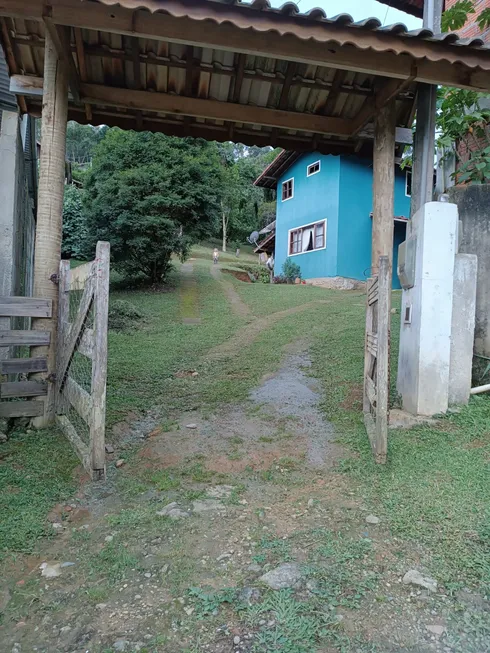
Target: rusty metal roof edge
318	15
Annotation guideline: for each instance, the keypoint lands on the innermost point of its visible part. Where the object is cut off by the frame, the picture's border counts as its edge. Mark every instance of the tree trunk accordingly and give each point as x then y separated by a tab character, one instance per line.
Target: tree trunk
50	207
225	229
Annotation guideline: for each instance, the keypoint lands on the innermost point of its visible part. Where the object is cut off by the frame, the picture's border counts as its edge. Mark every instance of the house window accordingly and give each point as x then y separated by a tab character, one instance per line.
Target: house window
307	238
287	189
408	183
313	169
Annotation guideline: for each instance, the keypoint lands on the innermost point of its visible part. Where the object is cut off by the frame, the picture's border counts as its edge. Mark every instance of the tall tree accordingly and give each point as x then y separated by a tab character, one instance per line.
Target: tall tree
151	196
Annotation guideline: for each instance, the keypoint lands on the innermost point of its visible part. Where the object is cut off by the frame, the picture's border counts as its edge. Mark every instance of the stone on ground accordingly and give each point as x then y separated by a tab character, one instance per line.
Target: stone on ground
414	577
372	519
435	629
283	577
50	569
206	505
173	511
220	491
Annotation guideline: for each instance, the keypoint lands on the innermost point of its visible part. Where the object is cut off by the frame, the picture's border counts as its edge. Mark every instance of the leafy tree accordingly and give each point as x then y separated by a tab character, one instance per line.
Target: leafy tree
81	141
74	224
457	16
151	196
461	116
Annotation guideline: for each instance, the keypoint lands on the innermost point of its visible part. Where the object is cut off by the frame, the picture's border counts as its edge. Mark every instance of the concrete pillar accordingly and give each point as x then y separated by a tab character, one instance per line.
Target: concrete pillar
463	328
426	315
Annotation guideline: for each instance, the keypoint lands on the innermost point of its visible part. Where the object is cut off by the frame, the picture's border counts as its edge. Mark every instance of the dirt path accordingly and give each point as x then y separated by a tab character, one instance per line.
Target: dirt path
229	531
247	334
238	306
189	300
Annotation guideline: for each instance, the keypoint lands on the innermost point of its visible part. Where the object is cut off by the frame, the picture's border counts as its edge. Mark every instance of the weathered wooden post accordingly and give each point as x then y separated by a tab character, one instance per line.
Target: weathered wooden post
383	185
49	213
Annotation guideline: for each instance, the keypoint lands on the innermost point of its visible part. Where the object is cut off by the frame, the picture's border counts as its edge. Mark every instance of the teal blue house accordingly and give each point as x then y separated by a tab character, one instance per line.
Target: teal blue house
323	218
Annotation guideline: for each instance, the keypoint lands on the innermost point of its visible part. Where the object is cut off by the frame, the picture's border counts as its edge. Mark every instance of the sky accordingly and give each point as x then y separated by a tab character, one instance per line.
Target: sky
358	9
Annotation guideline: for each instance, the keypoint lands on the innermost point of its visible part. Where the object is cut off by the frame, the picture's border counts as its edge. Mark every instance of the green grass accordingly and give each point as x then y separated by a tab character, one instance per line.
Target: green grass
434	490
31	484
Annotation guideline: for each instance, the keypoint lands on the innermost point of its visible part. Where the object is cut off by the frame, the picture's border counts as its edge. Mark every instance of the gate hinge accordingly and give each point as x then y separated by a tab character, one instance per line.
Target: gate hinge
55	278
51	378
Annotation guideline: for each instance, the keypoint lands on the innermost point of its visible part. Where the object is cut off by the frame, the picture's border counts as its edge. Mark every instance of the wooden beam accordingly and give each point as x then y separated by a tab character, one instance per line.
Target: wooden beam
19	338
20	409
11	59
214	110
49	210
338	80
82	65
23	365
60	36
237	84
384	94
290	73
25	307
22	389
189	70
383	186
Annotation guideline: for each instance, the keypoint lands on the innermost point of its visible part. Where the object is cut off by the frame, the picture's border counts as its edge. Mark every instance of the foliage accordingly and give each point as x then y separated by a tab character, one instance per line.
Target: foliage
267	213
456	16
123	315
460	116
241	201
151	196
258	272
291	270
81	141
74	224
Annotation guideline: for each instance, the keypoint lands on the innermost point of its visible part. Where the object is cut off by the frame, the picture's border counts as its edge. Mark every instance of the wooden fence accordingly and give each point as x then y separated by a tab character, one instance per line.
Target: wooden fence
376	360
14	368
82	357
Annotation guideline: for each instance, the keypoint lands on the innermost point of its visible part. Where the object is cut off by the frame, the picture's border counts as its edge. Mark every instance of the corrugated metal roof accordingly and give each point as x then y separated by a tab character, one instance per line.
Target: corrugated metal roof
310	76
8	100
414	7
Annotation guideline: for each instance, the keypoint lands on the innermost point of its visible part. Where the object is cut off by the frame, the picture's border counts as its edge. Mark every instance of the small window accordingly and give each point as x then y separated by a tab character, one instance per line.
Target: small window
408	184
287	189
313	169
308	238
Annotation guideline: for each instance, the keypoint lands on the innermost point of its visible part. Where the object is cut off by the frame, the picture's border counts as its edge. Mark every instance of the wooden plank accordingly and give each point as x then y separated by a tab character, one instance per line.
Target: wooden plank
80	447
21	409
290	73
25	307
63	327
79	275
27	338
22	389
382	360
338	80
78	398
213	109
367	356
370	390
23	365
99	366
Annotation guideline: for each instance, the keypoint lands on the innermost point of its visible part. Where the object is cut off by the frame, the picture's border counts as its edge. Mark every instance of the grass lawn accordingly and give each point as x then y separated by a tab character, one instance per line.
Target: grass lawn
432	497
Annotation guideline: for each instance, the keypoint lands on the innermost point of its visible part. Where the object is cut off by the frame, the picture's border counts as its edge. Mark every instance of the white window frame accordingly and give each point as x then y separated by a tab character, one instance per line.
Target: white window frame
291	179
304	226
310	174
408	172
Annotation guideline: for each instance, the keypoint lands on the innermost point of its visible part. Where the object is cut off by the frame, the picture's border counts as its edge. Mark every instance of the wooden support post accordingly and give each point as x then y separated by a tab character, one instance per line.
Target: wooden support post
99	363
49	212
383	186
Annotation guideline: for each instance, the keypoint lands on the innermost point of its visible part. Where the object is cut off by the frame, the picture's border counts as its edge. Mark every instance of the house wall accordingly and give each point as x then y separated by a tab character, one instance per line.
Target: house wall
315	198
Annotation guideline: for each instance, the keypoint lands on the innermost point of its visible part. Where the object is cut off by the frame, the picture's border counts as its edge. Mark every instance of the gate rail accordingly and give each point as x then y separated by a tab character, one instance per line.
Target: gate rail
82	357
376	360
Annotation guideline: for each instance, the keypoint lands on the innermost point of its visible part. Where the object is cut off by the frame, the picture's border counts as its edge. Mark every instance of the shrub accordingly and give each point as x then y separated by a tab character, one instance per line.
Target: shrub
258	272
280	279
291	270
123	315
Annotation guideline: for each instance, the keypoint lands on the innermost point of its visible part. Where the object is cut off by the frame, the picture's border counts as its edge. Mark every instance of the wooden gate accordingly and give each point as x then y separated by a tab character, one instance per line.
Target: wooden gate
82	357
376	360
15	367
